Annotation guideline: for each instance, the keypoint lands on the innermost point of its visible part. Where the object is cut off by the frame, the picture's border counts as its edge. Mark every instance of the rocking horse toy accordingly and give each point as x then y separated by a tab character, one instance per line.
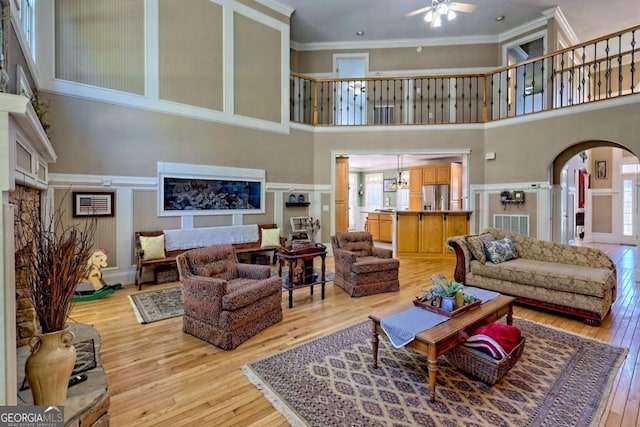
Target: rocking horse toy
93	286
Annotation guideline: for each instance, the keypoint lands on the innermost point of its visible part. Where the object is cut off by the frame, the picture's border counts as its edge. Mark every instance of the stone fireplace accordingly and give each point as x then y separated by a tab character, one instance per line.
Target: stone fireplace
26	319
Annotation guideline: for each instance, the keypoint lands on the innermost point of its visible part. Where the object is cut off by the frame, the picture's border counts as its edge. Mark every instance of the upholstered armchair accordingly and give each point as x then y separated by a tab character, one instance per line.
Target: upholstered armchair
225	302
361	268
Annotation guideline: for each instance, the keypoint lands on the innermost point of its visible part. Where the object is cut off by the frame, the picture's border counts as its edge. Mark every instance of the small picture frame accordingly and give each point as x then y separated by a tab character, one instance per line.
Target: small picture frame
601	169
93	204
388	185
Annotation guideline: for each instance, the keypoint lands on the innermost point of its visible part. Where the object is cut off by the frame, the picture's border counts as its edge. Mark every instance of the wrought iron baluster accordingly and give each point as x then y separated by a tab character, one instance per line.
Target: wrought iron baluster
633	62
429	100
542	85
607	74
442	100
619	64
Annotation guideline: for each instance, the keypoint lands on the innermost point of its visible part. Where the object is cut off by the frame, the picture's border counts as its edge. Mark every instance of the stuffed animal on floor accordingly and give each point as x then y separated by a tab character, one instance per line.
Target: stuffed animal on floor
97	261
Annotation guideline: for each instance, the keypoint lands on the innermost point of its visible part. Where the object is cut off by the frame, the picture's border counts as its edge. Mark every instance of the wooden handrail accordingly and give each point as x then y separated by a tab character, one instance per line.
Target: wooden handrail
590	63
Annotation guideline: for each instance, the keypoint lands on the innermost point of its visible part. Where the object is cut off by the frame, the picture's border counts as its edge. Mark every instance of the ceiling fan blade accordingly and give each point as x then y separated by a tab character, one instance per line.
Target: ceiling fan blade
463	7
418	11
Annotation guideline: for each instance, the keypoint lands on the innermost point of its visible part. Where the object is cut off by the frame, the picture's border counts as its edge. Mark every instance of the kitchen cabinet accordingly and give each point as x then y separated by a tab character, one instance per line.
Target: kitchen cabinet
386	228
428	175
415	188
425	233
445	173
380	226
342	194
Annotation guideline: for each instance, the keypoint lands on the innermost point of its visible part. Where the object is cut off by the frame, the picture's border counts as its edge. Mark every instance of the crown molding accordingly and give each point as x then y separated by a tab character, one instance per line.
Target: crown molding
556	13
524	28
277	6
402	43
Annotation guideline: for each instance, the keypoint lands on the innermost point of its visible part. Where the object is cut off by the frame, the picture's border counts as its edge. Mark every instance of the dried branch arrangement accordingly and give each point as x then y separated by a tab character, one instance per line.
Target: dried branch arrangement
52	259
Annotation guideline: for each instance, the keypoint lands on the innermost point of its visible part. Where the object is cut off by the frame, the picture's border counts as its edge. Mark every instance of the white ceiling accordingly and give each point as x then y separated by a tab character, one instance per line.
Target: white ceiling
333	21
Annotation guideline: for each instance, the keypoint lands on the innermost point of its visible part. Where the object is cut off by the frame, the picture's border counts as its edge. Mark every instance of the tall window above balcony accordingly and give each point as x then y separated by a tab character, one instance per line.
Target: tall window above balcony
25	13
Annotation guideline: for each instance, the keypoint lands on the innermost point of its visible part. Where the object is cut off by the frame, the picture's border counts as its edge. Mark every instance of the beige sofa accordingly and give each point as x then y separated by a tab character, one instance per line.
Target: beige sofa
573	280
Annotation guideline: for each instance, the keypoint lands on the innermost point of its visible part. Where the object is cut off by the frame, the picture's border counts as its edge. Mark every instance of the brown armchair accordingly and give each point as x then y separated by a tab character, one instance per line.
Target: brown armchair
361	268
225	302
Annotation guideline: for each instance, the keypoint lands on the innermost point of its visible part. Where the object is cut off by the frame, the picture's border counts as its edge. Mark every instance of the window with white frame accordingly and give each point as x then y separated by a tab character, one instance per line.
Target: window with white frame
25	12
373	190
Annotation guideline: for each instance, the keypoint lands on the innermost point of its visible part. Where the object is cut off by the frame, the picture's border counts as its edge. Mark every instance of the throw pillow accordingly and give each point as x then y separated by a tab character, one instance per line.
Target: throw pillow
153	247
270	237
476	246
495	339
499	251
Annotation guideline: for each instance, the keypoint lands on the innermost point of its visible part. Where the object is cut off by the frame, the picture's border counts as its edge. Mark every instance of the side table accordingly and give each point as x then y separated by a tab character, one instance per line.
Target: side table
301	259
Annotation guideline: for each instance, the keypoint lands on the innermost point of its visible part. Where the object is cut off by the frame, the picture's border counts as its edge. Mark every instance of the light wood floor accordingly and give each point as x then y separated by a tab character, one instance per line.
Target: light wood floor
159	376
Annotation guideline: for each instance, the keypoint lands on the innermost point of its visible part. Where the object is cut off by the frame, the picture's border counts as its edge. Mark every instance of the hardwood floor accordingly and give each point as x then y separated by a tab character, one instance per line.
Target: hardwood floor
159	376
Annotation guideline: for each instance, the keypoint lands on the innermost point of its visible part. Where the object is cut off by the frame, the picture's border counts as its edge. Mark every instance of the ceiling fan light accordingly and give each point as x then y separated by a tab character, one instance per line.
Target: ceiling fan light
437	22
428	17
451	15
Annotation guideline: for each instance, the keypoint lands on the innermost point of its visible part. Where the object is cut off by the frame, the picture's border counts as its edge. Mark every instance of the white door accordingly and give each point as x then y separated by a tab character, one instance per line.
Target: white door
351	99
629	209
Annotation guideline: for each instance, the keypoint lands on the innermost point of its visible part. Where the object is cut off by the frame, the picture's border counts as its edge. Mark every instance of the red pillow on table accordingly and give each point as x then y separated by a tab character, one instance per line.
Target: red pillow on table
495	339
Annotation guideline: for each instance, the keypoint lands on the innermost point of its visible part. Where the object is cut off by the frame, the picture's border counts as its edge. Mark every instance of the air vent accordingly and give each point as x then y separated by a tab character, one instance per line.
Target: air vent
515	223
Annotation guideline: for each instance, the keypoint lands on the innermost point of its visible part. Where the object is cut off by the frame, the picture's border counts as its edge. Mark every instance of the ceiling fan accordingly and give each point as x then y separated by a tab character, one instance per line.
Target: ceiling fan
438	9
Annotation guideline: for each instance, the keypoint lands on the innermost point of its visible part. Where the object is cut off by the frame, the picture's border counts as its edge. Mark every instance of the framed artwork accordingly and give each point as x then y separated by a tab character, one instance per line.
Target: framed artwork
601	169
187	190
93	204
388	185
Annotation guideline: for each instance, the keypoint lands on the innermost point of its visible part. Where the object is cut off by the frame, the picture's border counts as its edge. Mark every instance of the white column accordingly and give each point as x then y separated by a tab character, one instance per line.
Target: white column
8	379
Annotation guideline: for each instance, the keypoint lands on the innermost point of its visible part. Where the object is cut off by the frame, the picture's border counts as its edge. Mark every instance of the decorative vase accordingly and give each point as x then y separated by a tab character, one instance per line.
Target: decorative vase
312	236
49	366
448	303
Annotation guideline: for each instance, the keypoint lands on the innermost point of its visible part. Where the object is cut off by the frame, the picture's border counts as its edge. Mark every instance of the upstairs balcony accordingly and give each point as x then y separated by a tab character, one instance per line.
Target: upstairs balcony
597	70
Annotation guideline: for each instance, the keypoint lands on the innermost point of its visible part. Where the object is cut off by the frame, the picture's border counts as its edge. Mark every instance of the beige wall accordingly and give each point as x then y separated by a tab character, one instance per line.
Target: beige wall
258	73
397	59
106	52
539	142
97	138
601	214
191	53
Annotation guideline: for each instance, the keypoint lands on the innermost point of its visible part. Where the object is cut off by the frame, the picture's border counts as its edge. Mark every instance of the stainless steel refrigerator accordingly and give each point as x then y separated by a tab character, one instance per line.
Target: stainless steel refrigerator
435	197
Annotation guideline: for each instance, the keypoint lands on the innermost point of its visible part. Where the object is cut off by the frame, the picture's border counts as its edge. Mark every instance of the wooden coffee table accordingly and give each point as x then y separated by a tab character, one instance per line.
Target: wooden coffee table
435	341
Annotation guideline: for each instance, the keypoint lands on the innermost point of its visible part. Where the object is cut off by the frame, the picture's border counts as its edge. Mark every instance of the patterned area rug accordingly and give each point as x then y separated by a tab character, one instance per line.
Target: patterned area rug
157	305
561	379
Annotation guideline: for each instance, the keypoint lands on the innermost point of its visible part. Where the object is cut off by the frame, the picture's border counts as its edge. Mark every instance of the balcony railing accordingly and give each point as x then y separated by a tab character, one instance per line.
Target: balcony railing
600	69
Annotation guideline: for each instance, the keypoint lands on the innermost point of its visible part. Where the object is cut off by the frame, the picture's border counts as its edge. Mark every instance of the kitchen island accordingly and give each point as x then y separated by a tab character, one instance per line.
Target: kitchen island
419	232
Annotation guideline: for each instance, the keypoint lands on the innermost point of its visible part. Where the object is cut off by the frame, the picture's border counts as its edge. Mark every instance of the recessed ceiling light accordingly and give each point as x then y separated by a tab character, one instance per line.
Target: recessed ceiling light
500	18
360	33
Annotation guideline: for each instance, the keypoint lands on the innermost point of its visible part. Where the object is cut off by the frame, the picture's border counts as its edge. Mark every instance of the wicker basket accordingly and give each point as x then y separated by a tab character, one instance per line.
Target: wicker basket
166	275
481	365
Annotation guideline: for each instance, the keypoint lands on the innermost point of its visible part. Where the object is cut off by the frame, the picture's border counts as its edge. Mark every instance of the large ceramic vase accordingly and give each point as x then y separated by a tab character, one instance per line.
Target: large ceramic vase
49	366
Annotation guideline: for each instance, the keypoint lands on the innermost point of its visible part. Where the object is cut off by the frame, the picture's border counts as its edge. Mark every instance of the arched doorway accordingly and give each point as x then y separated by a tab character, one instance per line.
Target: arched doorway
595	194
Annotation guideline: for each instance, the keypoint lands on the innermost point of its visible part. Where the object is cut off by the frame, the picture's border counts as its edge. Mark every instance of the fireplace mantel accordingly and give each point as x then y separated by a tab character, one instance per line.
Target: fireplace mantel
25	155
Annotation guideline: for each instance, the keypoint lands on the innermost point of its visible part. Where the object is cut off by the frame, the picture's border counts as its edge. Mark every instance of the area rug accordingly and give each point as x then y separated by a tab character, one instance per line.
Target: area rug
157	305
562	379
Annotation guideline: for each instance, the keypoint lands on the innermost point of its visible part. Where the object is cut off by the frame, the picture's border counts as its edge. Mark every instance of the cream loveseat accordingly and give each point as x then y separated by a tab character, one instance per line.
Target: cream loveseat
573	280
